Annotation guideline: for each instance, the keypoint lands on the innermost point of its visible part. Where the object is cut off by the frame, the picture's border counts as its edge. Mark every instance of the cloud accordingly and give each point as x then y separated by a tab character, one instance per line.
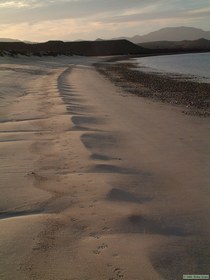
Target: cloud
17	4
196	12
64	29
13	4
37	10
89	19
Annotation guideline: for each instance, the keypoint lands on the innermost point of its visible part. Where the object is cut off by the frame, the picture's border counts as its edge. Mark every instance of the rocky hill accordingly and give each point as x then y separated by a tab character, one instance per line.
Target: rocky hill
197	45
171	34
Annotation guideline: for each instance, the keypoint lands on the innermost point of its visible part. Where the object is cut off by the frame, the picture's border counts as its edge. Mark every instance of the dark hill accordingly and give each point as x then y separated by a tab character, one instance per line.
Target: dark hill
84	48
197	45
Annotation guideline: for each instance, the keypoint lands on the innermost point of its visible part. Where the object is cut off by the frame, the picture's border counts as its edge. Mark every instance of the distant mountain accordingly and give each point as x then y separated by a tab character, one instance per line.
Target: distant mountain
200	44
86	48
9	40
170	34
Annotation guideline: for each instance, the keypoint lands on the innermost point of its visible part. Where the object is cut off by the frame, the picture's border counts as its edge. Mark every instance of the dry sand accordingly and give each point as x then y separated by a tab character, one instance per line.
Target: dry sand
97	183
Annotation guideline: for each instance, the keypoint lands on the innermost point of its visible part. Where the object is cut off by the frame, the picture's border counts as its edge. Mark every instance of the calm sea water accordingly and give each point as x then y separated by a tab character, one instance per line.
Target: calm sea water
195	66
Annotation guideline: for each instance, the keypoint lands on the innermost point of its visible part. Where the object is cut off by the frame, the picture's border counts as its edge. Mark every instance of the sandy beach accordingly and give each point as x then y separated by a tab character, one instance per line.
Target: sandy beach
97	183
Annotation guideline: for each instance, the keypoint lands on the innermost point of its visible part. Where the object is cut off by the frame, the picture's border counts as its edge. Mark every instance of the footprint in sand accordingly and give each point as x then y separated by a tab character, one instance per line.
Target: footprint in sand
105	228
100	248
118	274
91	206
97	252
93	234
115	255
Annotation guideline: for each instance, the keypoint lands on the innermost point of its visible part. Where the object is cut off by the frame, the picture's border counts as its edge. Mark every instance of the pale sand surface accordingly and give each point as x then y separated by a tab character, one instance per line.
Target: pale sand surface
96	183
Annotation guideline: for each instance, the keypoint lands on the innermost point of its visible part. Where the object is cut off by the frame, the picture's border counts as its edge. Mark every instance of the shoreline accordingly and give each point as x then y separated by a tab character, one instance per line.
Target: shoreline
191	95
153	53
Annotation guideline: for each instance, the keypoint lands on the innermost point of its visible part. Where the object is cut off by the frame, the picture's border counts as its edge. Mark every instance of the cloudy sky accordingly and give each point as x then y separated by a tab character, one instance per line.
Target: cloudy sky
42	20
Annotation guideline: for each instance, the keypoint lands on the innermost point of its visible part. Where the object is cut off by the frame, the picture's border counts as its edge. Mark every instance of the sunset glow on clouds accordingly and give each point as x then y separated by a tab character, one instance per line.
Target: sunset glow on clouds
38	20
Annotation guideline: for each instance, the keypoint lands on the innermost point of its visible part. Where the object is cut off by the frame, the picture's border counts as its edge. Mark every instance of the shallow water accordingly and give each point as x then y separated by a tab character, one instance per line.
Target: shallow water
195	66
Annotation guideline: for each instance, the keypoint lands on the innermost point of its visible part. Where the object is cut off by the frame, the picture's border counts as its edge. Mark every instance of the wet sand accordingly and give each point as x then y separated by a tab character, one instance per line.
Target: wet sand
97	183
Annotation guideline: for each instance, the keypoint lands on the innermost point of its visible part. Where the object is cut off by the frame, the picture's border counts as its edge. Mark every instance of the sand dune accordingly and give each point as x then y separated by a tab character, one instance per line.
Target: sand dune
97	183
